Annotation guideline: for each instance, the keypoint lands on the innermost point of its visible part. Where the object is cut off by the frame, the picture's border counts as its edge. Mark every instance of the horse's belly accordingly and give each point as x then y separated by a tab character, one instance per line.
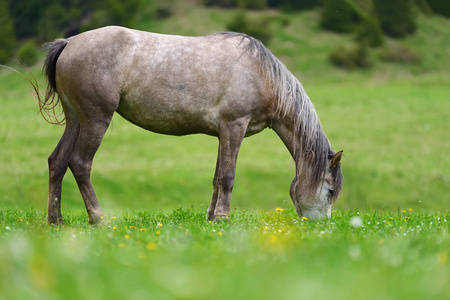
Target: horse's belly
167	118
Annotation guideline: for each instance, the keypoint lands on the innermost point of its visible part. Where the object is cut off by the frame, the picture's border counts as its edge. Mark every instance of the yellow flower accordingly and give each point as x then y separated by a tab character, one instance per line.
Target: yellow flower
403	211
127	236
102	217
442	258
151	246
219	233
406	218
114	228
160	225
113	218
157	233
121	245
409	209
273	239
209	222
391	218
304	218
142	229
279	209
266	228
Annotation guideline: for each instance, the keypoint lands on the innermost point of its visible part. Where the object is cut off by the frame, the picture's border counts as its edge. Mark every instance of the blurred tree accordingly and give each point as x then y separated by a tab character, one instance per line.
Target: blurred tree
257	28
7	37
396	17
424	7
369	33
338	16
441	7
28	53
252	4
48	19
221	3
25	15
369	30
53	20
243	4
350	56
288	5
114	12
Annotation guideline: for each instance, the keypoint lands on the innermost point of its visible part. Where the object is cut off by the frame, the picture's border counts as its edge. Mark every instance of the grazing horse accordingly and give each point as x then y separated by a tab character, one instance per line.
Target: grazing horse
227	85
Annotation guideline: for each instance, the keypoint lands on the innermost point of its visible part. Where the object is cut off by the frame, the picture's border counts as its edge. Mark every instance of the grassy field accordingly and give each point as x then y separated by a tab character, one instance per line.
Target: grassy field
392	122
179	255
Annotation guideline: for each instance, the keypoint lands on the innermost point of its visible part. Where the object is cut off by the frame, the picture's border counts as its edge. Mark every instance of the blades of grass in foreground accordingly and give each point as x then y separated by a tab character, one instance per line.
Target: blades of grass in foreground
179	255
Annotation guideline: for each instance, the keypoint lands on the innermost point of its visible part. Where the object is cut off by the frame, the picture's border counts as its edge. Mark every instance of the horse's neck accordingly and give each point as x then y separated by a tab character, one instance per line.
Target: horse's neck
284	127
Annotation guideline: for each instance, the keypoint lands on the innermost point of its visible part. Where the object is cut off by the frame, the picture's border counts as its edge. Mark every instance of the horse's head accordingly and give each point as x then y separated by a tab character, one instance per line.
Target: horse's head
317	204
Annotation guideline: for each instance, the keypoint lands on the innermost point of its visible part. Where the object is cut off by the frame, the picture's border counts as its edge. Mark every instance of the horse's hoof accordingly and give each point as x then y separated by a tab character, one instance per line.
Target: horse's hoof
57	222
221	217
210	216
100	220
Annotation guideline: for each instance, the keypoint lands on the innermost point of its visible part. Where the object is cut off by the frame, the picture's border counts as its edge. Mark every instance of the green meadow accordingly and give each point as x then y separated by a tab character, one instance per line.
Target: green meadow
177	254
388	237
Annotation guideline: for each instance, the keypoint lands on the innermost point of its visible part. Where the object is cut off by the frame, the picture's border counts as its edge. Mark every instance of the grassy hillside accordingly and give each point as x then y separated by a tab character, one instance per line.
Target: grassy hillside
391	121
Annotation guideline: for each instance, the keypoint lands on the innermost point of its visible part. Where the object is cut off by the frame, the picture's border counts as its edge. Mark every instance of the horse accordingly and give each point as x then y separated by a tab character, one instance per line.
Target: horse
227	85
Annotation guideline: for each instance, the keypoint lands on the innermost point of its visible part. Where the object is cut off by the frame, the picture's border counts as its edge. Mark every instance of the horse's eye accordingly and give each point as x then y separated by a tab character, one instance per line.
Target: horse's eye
331	192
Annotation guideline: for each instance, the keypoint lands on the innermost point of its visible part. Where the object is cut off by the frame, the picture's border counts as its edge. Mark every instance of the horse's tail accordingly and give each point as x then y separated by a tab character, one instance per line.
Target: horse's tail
50	102
53	49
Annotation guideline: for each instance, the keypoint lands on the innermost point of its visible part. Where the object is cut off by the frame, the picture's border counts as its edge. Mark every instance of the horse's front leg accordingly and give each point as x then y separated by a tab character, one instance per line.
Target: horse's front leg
212	205
230	139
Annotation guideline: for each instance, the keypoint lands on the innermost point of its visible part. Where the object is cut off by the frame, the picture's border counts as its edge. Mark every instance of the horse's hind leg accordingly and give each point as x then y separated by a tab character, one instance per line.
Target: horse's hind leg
92	130
57	165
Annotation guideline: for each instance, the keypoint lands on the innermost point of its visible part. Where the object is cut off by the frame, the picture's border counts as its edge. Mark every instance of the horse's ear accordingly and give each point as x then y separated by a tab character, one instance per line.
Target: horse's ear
336	159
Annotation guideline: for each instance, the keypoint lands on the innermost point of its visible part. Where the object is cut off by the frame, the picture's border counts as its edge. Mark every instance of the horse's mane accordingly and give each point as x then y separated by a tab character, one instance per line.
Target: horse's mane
313	149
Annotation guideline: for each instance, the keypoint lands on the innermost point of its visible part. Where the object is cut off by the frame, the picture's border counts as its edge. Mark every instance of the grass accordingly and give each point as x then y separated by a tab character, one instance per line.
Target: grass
178	255
391	121
394	136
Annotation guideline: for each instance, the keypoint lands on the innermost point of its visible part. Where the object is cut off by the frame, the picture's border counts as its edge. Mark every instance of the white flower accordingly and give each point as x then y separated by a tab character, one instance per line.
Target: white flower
356	221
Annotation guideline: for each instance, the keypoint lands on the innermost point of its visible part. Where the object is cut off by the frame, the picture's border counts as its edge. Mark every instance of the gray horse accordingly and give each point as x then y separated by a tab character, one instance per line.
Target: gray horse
226	85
